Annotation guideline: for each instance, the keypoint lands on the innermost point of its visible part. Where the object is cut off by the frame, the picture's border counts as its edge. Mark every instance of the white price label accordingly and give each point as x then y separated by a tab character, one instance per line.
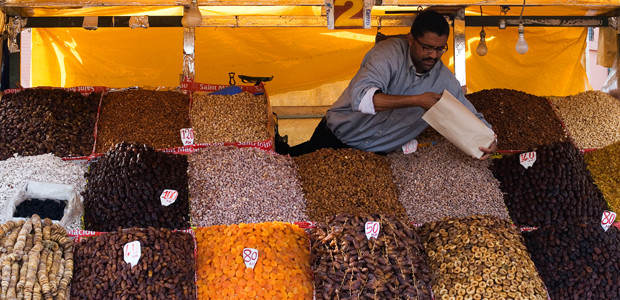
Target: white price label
608	219
132	252
168	197
410	147
372	229
187	136
527	159
250	257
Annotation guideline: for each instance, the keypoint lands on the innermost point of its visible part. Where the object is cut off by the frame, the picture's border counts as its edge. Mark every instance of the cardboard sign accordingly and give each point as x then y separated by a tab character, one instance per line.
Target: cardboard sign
250	257
132	252
608	219
187	136
410	147
372	229
527	159
168	197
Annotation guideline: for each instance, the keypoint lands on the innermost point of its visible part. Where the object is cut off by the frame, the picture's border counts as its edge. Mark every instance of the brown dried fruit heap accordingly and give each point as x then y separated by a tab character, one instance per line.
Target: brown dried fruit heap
37	260
347	181
39	121
480	257
347	265
165	269
577	262
148	117
124	188
557	189
520	120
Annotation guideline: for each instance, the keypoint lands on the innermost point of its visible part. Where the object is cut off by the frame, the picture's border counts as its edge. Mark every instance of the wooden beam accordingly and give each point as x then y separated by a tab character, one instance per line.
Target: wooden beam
312	21
95	3
300	112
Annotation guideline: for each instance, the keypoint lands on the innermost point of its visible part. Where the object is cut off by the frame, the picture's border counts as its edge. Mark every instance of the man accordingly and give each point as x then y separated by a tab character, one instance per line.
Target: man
381	109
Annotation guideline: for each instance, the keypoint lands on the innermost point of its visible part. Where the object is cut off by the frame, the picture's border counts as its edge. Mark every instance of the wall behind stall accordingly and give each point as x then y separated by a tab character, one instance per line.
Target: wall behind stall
310	65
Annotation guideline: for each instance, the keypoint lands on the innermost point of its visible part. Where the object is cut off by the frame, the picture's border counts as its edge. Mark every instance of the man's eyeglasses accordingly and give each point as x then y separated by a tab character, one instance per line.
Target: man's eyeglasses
429	49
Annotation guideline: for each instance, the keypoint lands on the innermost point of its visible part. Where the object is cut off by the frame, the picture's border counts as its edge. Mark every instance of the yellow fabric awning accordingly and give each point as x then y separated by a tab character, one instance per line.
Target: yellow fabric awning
299	58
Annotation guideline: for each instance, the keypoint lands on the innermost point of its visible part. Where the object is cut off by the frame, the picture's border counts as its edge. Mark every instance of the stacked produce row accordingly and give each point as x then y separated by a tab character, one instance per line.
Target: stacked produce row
135	192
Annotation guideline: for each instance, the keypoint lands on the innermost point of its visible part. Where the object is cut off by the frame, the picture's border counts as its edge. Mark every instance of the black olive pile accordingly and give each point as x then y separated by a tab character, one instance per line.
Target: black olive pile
124	187
45	208
39	121
557	189
577	262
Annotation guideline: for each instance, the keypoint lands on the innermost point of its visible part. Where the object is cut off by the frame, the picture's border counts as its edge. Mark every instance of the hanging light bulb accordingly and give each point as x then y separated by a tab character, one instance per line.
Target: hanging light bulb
193	17
521	46
482	45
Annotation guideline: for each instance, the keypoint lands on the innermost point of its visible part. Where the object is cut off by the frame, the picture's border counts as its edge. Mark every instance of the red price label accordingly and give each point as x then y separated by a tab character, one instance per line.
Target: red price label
187	136
168	197
132	252
527	159
608	219
372	229
250	257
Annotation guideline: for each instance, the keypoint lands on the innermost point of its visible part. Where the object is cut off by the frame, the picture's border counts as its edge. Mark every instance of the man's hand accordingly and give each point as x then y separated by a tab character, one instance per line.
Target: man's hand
427	100
489	151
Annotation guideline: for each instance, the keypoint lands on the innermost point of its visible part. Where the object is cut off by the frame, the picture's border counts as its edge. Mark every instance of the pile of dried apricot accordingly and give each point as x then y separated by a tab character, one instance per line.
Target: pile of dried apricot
282	267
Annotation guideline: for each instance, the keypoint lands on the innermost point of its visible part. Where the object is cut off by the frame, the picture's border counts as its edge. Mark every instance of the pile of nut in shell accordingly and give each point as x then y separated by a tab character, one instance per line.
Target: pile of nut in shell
480	257
349	265
556	189
39	121
230	185
148	117
164	270
124	189
347	181
592	118
241	117
37	260
441	181
579	261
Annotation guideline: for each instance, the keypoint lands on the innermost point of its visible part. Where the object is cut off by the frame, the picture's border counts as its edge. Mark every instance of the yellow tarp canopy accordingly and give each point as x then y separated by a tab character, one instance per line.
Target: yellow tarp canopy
299	58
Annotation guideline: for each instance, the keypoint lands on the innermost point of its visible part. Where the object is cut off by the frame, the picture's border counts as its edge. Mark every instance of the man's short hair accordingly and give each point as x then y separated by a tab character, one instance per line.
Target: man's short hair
430	20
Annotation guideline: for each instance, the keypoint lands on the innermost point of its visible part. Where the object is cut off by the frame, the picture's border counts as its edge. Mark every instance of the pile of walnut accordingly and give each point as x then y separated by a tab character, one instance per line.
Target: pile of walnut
37	260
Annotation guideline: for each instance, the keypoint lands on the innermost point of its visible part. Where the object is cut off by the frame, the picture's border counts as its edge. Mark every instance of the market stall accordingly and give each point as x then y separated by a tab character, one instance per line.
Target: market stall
183	196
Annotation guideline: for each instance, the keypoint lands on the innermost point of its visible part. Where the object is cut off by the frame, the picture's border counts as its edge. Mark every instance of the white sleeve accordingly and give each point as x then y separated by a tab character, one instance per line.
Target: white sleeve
366	105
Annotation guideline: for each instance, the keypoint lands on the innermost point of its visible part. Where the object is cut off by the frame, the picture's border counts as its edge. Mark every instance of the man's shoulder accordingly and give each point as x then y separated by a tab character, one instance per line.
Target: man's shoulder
391	44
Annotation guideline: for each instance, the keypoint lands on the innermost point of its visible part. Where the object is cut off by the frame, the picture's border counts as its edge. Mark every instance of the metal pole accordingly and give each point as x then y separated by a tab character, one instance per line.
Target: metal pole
459	46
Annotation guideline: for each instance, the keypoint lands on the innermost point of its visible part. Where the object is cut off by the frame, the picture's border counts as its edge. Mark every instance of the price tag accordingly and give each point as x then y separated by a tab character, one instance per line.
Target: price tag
132	252
608	219
372	229
527	159
250	256
187	136
410	147
168	197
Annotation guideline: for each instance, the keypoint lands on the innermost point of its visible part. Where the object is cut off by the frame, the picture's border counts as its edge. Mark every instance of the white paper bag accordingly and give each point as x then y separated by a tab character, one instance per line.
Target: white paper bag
459	125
